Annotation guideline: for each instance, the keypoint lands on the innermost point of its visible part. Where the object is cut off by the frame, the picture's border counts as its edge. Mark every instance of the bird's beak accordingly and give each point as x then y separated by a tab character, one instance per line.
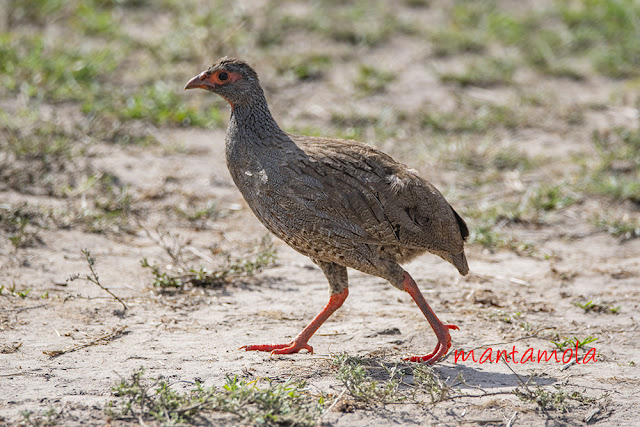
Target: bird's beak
199	82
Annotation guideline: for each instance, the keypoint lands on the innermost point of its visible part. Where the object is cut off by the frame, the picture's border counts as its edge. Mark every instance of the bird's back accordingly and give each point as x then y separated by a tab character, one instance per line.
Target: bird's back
346	202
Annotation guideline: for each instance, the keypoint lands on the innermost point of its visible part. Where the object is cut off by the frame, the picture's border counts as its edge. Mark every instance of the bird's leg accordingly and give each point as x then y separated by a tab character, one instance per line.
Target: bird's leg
441	329
300	342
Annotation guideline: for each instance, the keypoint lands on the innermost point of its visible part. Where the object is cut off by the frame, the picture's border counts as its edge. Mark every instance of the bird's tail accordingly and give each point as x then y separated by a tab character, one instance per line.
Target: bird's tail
460	262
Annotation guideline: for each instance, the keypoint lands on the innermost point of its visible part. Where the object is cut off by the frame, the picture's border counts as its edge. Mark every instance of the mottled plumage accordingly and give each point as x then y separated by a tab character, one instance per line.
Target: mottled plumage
342	203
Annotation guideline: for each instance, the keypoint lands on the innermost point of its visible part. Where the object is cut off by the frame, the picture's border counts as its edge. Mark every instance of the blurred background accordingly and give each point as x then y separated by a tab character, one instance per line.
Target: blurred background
524	113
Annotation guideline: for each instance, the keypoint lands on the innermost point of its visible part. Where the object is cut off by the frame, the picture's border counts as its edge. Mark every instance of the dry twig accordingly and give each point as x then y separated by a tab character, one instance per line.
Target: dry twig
105	337
94	277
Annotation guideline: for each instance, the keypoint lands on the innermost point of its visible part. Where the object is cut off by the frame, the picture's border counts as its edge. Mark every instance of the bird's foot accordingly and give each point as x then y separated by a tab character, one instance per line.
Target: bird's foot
444	344
289	348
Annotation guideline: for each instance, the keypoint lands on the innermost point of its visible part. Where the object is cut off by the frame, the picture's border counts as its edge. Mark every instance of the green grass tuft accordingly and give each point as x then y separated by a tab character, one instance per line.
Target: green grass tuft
274	403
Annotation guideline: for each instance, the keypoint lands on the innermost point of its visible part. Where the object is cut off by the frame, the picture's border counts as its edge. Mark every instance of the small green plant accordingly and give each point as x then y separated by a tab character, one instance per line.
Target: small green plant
356	22
625	228
483	73
306	67
551	400
209	211
183	273
573	342
393	383
353	374
551	197
21	224
161	104
425	379
372	79
50	417
597	307
25	293
13	291
147	399
454	41
507	317
616	172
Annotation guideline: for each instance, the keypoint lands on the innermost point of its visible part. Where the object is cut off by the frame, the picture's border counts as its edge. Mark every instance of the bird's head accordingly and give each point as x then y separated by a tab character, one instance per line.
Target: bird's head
232	79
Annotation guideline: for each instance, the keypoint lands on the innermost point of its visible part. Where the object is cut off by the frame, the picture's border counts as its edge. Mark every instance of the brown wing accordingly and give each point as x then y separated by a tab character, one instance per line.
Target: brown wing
363	194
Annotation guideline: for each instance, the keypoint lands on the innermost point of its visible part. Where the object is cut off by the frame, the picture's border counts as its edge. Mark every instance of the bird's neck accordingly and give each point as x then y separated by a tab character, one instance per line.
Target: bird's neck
253	123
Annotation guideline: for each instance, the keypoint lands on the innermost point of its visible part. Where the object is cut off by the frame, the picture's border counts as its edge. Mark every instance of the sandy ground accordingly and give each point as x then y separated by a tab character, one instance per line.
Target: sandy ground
196	334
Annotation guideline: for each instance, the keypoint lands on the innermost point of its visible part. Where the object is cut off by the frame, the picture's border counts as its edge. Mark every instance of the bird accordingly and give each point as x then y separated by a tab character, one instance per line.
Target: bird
342	203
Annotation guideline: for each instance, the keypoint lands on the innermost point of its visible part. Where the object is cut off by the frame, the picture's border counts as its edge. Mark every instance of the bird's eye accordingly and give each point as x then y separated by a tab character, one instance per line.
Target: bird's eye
223	76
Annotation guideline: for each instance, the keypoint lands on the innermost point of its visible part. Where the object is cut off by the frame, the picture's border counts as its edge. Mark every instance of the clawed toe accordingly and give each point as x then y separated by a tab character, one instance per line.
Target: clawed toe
289	348
443	346
293	348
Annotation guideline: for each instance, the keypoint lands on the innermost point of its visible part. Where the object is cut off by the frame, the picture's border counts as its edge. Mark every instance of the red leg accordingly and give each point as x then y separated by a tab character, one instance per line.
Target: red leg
300	342
441	330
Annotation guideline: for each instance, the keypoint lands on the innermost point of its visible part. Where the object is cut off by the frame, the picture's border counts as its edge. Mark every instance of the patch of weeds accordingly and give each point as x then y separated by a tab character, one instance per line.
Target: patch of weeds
207	212
486	230
534	207
426	380
573	342
356	22
51	417
307	130
373	128
484	73
488	222
183	273
35	154
21	225
597	307
624	228
58	73
488	237
609	31
143	399
487	156
15	292
507	317
93	20
551	197
305	67
454	41
27	137
550	400
32	11
474	119
396	383
352	126
112	204
354	374
161	279
159	104
109	129
617	173
556	39
616	186
417	3
370	79
547	50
